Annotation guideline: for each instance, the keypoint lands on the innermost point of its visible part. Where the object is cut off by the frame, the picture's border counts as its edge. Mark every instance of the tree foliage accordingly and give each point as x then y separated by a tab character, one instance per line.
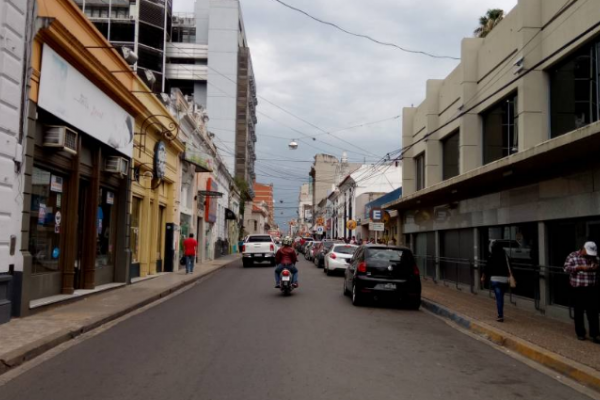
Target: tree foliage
488	22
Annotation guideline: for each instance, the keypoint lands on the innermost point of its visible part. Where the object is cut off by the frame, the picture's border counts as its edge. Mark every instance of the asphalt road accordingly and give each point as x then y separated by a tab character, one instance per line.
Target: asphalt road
235	337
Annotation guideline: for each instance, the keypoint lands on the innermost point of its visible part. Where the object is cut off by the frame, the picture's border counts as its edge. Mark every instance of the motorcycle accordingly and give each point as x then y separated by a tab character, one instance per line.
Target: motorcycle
286	282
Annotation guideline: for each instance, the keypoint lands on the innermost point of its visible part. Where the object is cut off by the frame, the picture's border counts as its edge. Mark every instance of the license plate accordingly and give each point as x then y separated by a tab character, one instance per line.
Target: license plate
258	255
285	278
386	286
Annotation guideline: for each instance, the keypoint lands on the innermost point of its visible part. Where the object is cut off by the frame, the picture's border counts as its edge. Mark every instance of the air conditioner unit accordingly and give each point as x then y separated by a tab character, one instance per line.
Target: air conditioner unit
60	137
117	165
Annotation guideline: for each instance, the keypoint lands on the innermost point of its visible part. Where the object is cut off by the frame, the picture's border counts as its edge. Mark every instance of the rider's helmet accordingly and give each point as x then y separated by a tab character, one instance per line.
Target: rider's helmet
287	241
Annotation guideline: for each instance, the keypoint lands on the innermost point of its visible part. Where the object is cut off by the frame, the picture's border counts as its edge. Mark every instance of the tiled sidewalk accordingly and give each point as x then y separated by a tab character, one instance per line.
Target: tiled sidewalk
24	338
552	335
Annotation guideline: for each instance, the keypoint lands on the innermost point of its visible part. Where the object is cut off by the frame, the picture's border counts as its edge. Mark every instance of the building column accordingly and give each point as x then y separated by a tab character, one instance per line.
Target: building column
476	264
543	262
438	270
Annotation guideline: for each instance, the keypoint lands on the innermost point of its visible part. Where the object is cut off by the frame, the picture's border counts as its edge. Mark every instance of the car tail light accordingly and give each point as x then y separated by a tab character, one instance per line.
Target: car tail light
272	247
362	267
243	248
332	255
416	271
285	272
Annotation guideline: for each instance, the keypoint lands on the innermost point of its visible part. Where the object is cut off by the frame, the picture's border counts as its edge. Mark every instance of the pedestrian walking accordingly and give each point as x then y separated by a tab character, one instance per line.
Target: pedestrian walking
498	270
189	251
582	266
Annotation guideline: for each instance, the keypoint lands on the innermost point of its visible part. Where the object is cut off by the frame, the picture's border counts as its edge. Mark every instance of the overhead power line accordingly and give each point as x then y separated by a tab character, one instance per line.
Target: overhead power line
360	35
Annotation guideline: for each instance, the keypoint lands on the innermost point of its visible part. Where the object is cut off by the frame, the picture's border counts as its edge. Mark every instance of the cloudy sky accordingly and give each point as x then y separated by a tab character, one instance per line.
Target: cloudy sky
333	81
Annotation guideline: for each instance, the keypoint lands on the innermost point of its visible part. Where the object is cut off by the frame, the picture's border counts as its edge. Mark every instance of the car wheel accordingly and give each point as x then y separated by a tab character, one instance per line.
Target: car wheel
345	288
413	304
357	298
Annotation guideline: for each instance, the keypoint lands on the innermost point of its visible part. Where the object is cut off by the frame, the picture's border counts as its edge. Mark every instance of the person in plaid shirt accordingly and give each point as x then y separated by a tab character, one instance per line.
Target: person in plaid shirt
582	267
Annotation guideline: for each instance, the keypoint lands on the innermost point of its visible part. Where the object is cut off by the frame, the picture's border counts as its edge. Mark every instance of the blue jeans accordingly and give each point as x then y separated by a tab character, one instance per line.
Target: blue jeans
292	269
499	290
189	264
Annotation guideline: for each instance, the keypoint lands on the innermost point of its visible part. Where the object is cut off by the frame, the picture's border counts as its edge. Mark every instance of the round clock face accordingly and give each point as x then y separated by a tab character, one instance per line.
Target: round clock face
160	160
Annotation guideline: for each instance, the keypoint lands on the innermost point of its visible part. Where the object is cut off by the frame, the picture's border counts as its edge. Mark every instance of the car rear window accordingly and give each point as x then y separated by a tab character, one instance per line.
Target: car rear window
328	245
259	239
384	255
346	249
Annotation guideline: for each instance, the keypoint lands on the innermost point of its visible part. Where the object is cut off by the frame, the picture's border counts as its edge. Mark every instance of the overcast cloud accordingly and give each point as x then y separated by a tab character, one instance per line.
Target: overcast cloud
335	81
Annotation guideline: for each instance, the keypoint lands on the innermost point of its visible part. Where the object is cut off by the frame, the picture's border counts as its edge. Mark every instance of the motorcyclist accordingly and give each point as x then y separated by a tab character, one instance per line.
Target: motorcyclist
286	258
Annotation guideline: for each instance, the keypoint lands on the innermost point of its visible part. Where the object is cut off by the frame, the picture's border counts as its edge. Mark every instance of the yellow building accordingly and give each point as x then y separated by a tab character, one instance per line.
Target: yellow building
101	166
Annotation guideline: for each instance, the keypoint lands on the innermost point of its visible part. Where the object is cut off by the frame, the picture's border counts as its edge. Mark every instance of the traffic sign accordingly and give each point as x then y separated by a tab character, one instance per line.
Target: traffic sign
320	230
376	214
351	225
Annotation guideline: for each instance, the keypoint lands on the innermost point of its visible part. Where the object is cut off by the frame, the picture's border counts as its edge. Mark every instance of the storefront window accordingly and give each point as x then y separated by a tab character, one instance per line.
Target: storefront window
106	229
136	205
46	220
520	242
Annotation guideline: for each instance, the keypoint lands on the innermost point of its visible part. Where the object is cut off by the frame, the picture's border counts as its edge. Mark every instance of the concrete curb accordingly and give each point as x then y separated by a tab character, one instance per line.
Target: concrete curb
32	350
580	373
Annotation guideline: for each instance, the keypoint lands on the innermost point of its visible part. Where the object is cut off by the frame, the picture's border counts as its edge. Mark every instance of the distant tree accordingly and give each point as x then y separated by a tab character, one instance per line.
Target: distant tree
489	22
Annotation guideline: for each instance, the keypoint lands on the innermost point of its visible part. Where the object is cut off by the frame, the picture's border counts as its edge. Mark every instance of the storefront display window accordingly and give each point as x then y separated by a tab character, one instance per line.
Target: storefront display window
106	228
520	242
46	220
136	205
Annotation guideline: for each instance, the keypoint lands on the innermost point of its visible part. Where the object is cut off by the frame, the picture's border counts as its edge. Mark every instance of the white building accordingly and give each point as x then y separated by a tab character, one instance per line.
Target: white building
374	179
13	88
305	209
209	59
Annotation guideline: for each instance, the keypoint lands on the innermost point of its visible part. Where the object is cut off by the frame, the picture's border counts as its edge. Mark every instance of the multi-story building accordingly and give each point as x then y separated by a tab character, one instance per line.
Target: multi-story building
209	59
505	149
256	218
305	211
142	26
13	92
325	173
264	193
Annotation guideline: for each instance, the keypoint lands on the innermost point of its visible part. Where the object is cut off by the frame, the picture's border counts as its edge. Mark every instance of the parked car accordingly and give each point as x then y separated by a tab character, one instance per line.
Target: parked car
338	257
305	241
258	248
383	272
314	249
307	254
324	249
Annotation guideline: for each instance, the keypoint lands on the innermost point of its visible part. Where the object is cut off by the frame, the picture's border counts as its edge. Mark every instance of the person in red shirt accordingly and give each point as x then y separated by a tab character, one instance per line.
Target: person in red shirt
286	258
189	251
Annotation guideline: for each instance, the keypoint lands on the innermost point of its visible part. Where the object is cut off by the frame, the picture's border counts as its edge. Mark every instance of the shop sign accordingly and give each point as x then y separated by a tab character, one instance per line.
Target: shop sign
351	225
70	96
195	156
376	214
56	184
377	226
160	160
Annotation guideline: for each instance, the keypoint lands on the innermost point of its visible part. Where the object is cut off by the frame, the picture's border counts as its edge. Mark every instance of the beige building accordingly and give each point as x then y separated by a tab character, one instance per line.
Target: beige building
506	149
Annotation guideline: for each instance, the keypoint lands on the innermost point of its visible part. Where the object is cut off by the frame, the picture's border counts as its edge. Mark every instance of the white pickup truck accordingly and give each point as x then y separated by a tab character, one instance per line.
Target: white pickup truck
258	248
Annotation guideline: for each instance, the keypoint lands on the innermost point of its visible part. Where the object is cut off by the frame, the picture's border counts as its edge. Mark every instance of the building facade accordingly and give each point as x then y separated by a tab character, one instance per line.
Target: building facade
256	218
264	193
84	126
504	149
142	26
14	20
209	59
305	210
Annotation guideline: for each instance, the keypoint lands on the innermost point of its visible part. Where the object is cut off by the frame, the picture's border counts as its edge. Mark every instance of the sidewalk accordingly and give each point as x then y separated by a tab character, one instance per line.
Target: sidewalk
547	341
22	339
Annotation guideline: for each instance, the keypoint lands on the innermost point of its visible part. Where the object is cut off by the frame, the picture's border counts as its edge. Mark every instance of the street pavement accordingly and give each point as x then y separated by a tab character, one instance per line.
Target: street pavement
235	337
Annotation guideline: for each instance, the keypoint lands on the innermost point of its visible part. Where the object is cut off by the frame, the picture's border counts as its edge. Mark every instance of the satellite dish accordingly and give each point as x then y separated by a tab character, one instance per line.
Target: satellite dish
293	145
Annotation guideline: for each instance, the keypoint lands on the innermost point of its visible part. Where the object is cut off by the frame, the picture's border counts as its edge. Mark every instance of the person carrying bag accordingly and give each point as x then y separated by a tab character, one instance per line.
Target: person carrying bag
501	277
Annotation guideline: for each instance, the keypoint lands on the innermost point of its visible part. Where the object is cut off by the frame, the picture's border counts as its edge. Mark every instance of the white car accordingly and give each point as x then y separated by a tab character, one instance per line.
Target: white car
338	257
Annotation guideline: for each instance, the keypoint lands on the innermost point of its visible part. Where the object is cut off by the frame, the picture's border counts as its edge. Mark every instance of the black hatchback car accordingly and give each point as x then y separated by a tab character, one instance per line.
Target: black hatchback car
383	272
